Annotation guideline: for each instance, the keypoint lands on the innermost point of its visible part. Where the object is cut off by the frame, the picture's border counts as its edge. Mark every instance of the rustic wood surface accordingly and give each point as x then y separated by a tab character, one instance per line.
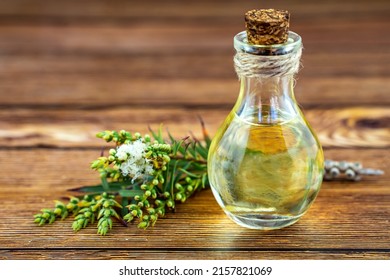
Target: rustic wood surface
69	69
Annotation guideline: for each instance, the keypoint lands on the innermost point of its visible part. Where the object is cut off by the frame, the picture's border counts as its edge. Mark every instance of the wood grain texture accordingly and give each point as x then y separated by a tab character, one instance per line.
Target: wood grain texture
340	127
86	91
69	69
330	224
120	254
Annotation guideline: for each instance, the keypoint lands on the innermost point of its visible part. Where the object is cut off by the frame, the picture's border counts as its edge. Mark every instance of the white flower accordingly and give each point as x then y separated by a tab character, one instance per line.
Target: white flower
135	164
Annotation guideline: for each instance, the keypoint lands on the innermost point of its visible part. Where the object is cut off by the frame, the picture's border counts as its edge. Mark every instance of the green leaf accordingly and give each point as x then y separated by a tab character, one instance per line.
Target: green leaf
191	149
124	203
180	173
204	180
168	177
205	134
199	167
130	193
172	180
158	136
173	140
201	150
189	173
105	185
113	186
179	146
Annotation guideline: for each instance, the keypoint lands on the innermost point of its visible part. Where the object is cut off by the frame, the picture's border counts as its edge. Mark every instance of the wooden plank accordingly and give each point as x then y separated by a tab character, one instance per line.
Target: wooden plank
172	38
86	91
175	8
97	254
177	66
31	179
340	127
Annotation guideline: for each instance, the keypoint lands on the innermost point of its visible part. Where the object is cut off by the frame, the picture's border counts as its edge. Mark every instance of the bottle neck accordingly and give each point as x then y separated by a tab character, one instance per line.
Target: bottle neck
267	78
267	100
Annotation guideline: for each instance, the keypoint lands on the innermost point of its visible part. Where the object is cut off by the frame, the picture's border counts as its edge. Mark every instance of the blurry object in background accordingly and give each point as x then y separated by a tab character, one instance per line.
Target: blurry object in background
352	171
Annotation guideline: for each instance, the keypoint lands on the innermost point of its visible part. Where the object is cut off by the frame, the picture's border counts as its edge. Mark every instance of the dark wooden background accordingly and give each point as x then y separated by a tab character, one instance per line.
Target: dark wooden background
70	68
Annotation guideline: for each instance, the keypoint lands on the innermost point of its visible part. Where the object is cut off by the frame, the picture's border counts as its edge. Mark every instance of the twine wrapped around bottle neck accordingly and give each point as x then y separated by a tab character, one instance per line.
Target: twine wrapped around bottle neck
262	61
264	66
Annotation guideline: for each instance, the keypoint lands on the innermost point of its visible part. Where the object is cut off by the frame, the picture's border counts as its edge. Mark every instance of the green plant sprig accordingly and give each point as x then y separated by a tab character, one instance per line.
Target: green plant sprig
142	176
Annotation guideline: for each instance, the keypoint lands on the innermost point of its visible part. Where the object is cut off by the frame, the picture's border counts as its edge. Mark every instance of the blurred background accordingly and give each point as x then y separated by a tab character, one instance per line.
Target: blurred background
71	68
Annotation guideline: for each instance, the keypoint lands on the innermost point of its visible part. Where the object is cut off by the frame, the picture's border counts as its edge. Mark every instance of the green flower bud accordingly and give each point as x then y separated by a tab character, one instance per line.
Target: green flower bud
153	218
57	211
107	213
111	158
137	135
148	154
170	203
116	176
95	164
74	200
166	158
94	208
134	212
128	217
132	207
146	218
143	225
100	134
104	224
45	215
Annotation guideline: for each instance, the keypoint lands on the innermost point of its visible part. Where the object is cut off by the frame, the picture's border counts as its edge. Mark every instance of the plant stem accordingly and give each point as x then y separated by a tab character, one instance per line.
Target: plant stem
189	159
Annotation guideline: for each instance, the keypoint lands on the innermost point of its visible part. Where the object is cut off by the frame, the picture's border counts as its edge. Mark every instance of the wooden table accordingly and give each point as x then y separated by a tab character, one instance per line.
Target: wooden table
69	69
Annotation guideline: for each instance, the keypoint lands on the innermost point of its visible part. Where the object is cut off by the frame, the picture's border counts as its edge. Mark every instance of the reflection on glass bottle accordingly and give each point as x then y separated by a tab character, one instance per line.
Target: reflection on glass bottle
265	164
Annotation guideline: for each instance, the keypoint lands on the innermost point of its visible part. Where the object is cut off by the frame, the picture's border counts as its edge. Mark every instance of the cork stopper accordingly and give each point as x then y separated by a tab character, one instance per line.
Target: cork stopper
267	26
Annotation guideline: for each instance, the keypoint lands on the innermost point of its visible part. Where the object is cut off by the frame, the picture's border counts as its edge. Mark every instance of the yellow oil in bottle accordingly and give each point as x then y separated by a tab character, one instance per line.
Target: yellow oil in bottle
265	175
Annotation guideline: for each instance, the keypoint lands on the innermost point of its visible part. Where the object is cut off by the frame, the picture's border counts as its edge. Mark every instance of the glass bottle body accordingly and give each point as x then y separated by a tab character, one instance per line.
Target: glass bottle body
265	163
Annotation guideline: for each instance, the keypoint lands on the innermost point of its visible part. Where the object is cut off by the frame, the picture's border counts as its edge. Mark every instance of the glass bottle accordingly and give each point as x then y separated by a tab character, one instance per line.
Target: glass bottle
265	163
